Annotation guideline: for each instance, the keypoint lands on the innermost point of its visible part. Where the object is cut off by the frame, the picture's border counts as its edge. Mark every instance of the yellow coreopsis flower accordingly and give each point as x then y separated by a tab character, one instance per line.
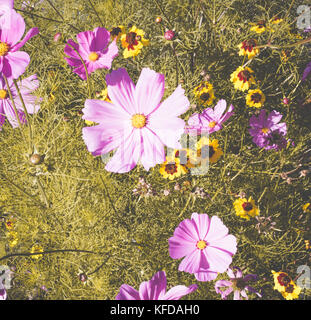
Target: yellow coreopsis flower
285	285
204	93
249	48
259	27
306	207
172	168
242	78
117	32
246	208
276	20
36	249
208	150
12	238
186	156
255	98
133	42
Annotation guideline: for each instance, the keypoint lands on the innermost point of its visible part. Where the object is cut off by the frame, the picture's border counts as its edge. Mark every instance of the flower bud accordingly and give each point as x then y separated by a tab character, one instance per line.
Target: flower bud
36	159
158	20
169	35
57	36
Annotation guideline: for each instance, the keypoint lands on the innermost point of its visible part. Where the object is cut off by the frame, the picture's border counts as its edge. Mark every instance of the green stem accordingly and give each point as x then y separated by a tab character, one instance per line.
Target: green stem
12	100
101	22
86	72
27	254
27	116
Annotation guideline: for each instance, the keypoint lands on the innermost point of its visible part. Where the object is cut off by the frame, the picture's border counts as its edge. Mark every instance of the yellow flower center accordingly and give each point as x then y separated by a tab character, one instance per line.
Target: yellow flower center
3	94
212	124
265	130
139	121
201	244
4	48
93	56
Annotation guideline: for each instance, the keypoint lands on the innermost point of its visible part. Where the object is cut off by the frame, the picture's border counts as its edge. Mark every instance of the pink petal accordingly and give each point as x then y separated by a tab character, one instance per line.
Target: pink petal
218	260
127	293
178	292
175	105
169	130
220	108
236	295
15	64
11	115
121	90
191	263
217	230
69	51
202	223
104	112
227	243
107	57
85	40
149	91
127	155
101	39
31	33
153	149
180	246
206	275
154	288
17	28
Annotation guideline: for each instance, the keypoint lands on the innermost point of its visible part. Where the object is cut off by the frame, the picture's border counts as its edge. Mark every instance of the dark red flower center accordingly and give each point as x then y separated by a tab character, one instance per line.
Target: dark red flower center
204	96
283	279
244	75
248	45
115	31
131	39
247	206
171	168
261	23
239	283
290	288
256	97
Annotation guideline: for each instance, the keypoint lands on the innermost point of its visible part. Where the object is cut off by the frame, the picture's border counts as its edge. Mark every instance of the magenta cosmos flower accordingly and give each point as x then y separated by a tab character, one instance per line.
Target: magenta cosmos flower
237	284
154	289
135	122
205	244
13	63
267	130
93	49
26	87
210	120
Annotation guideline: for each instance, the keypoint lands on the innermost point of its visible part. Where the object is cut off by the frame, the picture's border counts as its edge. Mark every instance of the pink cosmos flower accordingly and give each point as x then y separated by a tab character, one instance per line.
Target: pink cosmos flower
210	120
13	63
135	122
237	284
26	86
205	244
154	289
93	49
267	130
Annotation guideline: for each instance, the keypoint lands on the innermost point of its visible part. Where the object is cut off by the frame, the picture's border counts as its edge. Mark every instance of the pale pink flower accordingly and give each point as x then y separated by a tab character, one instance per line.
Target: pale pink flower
135	123
205	244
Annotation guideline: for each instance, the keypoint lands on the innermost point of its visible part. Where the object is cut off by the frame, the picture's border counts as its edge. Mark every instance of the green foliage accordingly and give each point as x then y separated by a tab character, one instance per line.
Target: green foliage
69	201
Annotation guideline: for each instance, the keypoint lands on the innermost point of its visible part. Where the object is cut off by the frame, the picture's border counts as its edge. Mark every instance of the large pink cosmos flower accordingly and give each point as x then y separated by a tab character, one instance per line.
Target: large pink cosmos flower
93	49
210	120
13	63
136	122
154	289
205	244
26	87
